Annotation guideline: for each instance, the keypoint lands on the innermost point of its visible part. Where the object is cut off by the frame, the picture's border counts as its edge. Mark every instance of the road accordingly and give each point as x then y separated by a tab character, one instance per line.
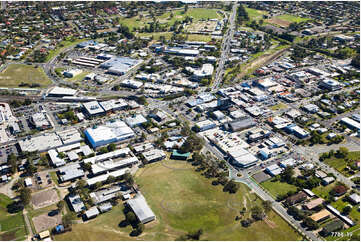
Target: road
226	45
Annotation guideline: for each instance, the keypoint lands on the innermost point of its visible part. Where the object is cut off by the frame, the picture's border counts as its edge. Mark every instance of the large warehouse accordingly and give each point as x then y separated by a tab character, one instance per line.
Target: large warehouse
120	65
108	133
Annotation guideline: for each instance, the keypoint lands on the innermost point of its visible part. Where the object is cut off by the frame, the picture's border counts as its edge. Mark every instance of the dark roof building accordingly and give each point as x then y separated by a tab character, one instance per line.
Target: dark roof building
241	124
299	197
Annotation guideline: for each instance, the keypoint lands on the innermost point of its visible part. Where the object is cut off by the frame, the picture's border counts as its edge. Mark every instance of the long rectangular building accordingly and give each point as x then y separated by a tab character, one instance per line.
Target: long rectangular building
141	209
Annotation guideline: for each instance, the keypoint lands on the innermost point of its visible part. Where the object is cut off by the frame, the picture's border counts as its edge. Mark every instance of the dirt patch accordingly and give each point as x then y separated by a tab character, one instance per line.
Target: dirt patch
8	236
270	223
45	222
280	22
44	198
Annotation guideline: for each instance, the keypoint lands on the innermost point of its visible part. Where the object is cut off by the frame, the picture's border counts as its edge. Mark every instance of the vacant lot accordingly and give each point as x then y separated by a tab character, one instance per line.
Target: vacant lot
255	14
278	188
340	163
279	106
184	201
45	222
15	74
44	198
12	225
286	19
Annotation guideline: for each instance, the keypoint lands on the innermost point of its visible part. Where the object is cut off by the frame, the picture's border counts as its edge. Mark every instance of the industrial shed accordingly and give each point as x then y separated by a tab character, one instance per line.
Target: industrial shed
141	209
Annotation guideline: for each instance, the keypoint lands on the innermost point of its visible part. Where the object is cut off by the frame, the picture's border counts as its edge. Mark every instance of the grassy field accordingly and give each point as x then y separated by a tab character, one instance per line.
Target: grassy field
15	74
340	164
196	13
323	191
78	77
278	188
292	18
12	226
279	106
184	201
255	14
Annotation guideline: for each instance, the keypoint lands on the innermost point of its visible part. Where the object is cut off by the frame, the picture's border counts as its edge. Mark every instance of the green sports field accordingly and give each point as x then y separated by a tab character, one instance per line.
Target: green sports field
185	201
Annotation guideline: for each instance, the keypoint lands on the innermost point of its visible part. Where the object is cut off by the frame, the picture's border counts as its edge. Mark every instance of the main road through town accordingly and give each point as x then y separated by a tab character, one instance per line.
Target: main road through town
226	45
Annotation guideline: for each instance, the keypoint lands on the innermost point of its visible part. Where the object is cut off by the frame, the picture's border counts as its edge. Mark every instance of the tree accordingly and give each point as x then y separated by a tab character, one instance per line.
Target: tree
12	162
131	218
103	150
231	187
60	205
68	218
111	179
128	178
257	213
287	174
342	152
267	205
111	147
25	195
346	210
246	222
310	223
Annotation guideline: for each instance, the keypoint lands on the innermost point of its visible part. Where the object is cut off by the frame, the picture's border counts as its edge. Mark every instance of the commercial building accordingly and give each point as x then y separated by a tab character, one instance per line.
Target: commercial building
61	92
311	108
113	105
274	170
49	141
242	124
40	121
181	51
110	132
72	73
120	65
199	74
241	157
131	84
350	123
205	125
330	84
93	108
135	120
141	209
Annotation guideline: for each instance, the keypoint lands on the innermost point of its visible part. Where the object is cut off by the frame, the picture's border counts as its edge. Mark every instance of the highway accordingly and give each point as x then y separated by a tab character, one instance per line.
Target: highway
226	45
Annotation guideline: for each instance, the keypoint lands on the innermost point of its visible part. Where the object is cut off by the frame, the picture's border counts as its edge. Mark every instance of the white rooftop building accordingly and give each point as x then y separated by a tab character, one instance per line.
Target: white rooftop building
141	209
108	133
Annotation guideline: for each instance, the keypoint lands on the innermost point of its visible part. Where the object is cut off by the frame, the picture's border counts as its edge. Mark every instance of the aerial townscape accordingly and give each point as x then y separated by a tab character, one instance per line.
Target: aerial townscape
180	120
